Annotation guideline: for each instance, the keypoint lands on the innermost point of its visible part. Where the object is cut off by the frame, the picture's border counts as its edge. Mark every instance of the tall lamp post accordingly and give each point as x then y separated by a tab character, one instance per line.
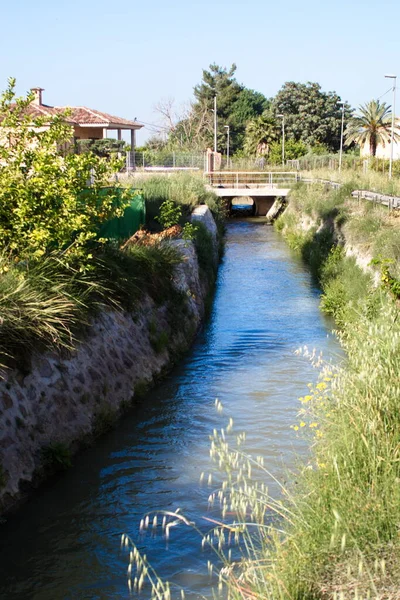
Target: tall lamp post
215	123
227	144
283	138
393	116
341	138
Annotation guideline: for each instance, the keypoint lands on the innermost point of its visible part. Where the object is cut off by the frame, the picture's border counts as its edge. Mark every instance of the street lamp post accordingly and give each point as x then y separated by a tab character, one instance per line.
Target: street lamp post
393	117
283	138
227	144
341	138
215	123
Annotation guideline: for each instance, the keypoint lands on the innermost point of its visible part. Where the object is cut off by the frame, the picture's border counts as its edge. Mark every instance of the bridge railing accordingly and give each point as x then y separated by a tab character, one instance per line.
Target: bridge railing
250	179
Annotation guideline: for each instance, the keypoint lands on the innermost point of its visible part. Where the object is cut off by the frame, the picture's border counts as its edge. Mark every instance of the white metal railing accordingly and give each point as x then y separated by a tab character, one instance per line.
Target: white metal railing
392	202
250	179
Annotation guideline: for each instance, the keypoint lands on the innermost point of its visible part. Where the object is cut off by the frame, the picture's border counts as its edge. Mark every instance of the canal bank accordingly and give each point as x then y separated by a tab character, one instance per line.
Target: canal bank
58	402
341	527
65	542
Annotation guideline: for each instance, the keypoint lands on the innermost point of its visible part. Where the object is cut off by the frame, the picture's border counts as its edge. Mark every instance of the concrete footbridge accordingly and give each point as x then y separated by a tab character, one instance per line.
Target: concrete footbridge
261	187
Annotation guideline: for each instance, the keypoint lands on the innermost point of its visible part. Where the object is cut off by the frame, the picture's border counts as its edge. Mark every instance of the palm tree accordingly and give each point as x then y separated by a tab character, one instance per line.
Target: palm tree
260	133
373	126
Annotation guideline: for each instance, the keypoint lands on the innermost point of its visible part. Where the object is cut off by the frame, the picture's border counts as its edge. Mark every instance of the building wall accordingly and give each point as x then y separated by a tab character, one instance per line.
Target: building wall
86	133
382	151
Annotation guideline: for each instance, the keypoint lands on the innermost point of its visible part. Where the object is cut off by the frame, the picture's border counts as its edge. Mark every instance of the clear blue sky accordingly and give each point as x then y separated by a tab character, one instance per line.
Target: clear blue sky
124	56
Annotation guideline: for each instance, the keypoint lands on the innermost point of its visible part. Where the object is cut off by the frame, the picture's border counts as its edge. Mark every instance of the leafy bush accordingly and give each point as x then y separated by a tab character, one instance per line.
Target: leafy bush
170	214
293	150
49	198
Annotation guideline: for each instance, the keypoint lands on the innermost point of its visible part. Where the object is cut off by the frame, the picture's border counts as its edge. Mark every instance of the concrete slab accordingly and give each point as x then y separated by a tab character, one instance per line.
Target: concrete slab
252	192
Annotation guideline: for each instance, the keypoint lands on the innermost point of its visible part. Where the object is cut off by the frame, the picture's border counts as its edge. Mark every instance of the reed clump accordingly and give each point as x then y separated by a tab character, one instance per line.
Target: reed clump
49	303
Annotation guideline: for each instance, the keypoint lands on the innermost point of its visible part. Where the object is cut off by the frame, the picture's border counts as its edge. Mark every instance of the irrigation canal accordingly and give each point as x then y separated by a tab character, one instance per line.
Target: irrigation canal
64	543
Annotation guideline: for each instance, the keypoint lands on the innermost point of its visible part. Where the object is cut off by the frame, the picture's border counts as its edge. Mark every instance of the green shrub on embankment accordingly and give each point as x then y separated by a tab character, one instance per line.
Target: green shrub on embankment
341	519
319	222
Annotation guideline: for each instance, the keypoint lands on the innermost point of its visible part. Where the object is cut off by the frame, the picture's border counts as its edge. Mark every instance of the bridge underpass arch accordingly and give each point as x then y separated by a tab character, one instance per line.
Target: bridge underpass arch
242	206
253	206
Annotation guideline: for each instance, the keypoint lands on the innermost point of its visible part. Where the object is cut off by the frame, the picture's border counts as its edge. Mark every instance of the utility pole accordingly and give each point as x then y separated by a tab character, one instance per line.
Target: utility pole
283	138
341	138
393	117
215	123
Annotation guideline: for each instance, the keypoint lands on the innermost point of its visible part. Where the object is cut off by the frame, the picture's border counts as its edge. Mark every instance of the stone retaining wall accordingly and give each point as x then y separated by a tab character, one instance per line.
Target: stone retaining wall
66	400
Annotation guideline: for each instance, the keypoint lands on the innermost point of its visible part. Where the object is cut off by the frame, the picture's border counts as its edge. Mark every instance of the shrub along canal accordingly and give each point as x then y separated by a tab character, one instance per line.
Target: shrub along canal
64	543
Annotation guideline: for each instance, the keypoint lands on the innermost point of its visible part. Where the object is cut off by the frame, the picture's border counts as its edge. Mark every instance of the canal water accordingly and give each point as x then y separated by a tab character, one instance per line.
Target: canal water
64	543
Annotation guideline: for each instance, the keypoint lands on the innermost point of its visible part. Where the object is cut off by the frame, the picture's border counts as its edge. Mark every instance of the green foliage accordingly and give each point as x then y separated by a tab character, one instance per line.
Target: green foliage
183	189
45	199
218	81
189	231
43	304
205	252
371	126
170	214
261	133
345	510
344	287
311	115
236	105
293	150
104	420
57	455
105	148
248	106
159	341
343	283
318	202
318	149
388	281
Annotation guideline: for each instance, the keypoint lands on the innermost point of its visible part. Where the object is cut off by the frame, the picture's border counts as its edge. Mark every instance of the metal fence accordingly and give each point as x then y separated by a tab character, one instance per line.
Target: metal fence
164	161
250	179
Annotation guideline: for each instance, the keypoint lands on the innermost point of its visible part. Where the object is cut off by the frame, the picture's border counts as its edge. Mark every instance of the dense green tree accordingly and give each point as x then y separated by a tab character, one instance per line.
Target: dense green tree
372	126
311	115
249	105
220	82
236	105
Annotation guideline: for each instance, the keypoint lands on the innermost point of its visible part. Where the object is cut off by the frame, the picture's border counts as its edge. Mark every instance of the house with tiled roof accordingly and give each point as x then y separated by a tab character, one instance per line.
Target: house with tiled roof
88	124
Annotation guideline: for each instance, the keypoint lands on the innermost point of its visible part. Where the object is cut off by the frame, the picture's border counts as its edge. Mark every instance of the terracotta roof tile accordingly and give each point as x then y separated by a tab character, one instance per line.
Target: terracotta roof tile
81	115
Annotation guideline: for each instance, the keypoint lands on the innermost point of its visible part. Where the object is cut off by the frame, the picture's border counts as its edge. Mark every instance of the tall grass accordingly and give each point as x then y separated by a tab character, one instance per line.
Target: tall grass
371	180
185	189
346	508
48	303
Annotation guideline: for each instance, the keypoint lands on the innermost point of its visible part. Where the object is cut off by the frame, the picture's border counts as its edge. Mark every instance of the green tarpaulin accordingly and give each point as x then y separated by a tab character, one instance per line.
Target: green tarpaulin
125	226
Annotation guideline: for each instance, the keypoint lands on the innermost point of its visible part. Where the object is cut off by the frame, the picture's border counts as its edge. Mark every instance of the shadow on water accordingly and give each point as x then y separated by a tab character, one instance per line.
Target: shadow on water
64	543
